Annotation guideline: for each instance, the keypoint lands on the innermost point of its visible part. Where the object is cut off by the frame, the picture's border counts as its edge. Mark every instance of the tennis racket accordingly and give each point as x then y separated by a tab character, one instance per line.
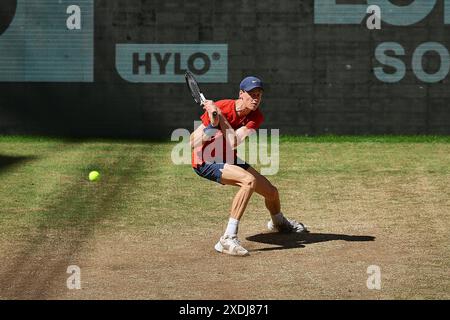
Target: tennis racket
198	96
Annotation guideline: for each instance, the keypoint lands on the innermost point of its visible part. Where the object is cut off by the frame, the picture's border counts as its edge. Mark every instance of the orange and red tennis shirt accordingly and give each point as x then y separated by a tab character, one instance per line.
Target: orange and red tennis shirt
253	120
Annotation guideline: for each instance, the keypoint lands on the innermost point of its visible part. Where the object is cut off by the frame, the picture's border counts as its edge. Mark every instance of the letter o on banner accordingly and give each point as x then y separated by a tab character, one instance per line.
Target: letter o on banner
206	63
417	62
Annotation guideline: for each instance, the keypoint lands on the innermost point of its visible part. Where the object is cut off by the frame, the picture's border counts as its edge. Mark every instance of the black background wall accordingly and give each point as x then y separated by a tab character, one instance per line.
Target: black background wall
319	78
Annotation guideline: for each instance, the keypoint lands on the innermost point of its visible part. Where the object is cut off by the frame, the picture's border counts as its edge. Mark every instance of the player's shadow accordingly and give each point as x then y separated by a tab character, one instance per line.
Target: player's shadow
8	161
299	240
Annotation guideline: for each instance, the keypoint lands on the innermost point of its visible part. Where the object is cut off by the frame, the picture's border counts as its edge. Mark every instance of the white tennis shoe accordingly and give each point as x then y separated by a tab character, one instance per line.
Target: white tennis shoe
287	226
231	245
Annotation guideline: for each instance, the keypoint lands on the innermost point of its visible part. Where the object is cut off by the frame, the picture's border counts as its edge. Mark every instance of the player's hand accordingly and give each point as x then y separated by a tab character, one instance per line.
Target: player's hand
210	107
213	112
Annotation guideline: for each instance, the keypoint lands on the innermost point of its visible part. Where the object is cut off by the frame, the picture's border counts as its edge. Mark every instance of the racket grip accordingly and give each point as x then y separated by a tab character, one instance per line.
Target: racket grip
202	99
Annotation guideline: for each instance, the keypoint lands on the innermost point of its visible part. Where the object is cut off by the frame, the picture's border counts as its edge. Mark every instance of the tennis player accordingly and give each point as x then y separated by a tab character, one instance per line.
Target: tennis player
214	157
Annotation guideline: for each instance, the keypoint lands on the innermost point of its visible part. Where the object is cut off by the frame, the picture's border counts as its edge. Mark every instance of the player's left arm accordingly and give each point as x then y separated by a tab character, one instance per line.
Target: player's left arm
235	137
228	132
250	128
242	133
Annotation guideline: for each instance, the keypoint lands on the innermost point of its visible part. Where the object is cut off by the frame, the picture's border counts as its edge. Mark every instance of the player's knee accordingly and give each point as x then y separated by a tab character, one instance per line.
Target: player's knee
249	182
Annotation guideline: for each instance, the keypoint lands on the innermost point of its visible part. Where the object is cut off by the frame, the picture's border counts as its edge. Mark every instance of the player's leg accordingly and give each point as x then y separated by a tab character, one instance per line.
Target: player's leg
235	176
272	200
265	188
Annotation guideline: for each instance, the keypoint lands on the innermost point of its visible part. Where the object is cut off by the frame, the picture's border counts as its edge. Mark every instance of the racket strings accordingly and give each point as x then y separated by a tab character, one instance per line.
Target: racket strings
195	90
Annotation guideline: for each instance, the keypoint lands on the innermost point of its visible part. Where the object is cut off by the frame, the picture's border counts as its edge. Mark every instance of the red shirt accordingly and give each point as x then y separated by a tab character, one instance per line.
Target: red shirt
253	120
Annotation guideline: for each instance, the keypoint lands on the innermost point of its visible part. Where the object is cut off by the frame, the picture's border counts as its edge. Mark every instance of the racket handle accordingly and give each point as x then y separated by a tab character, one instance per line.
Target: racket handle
214	114
202	99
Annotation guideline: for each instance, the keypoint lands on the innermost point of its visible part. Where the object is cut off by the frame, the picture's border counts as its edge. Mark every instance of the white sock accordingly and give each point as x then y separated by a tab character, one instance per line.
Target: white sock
278	219
232	227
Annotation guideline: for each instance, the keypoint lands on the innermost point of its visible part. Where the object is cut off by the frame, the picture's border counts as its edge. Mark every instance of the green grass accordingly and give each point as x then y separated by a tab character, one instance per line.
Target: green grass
283	138
368	139
45	179
391	187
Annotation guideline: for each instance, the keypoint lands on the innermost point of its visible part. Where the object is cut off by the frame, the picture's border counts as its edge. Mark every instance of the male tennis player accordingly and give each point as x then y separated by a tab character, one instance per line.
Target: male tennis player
214	157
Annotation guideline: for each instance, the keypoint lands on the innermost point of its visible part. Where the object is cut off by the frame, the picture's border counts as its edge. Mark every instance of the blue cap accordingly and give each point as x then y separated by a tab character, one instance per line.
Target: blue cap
250	83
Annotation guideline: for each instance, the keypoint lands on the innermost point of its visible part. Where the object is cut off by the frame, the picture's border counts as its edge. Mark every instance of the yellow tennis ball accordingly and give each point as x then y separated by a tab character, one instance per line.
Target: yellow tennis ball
94	175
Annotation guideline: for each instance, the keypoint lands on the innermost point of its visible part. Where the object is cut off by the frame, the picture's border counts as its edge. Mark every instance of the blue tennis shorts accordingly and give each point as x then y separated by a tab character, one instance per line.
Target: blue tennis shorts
212	171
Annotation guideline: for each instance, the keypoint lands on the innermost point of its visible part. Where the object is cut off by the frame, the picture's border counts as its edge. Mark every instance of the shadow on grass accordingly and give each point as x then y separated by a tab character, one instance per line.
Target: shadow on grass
299	240
8	161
